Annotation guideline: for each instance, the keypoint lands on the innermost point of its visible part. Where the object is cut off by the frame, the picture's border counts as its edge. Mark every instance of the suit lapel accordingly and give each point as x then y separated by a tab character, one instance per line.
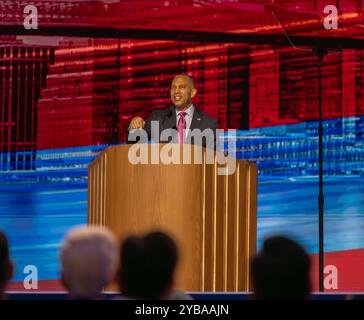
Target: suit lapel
170	122
196	119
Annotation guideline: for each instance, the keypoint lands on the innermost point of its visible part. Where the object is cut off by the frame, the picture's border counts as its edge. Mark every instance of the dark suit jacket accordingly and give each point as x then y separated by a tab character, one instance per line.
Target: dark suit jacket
167	120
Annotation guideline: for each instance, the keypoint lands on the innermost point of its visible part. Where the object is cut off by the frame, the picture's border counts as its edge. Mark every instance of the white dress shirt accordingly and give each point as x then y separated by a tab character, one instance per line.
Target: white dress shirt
188	117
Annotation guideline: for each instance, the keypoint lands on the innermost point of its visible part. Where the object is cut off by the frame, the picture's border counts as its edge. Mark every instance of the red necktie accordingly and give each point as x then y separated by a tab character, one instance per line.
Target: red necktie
181	125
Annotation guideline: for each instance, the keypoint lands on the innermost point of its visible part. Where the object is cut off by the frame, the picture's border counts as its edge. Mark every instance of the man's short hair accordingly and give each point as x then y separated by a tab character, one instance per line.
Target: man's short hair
147	265
187	76
281	270
4	259
88	260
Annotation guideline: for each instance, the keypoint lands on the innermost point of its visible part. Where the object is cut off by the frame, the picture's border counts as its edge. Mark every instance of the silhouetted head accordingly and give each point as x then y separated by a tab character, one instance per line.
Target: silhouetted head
88	261
281	270
147	266
182	91
6	266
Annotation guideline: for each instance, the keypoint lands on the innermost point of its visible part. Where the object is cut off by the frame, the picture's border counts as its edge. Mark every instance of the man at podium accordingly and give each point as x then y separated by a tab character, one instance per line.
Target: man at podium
183	120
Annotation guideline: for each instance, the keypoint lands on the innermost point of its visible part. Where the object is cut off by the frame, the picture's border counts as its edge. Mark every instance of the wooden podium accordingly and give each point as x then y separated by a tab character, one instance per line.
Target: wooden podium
212	217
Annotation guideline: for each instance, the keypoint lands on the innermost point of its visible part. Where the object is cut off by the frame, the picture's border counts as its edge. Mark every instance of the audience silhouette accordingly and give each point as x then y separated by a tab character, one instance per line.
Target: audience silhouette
88	261
281	270
147	266
6	265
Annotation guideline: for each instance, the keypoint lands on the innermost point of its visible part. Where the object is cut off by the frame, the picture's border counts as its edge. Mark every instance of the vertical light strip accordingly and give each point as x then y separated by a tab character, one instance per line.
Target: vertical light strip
237	223
98	197
2	121
93	195
101	184
89	204
247	228
34	104
226	226
10	106
105	186
91	186
203	222
214	228
96	193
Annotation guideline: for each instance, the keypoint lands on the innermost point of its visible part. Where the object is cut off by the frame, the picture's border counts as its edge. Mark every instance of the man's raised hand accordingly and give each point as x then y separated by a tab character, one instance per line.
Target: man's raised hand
137	123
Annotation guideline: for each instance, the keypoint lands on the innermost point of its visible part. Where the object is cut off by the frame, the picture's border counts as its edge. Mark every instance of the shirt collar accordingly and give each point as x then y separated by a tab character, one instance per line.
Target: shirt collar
189	111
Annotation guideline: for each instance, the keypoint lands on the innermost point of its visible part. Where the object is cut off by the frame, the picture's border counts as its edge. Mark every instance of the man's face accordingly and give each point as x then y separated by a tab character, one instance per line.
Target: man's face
182	92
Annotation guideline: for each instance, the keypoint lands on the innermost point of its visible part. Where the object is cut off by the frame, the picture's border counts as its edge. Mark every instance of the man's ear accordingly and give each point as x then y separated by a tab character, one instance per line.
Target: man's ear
193	92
